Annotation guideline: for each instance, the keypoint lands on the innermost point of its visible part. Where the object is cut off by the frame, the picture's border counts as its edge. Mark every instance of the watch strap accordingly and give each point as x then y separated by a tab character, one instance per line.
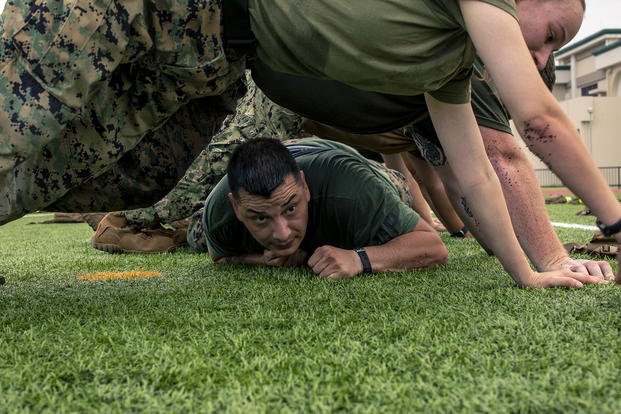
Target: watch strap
364	258
461	232
609	230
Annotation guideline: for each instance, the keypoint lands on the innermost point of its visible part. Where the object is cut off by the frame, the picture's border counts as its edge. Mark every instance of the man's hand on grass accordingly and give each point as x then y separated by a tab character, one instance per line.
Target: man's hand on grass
298	258
334	263
561	278
600	268
267	258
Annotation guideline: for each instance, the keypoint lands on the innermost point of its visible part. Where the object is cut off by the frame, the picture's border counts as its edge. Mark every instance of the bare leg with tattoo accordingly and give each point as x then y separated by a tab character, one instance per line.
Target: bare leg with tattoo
431	184
395	162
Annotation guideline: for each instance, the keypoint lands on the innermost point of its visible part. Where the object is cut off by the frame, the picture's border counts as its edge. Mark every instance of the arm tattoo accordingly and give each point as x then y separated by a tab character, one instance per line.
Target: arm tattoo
540	135
544	136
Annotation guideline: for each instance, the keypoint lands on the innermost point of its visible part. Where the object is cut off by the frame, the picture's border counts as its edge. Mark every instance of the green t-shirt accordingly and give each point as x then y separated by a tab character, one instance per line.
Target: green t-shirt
353	204
400	47
486	105
488	109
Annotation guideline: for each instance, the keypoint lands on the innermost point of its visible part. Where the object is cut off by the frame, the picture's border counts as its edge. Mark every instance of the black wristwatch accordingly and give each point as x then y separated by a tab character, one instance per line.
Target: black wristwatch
609	230
364	258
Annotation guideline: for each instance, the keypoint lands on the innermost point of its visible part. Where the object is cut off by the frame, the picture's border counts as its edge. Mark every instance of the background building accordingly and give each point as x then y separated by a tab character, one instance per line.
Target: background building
588	86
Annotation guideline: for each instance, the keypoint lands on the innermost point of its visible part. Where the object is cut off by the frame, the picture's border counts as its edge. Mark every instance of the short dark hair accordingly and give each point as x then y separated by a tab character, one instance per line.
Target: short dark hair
259	166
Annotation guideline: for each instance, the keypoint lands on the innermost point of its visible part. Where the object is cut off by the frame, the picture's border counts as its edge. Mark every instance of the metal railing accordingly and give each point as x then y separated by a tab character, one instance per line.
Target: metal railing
547	178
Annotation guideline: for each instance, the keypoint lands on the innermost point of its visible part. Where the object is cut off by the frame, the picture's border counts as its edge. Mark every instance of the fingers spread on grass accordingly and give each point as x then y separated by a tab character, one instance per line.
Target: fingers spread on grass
560	281
564	278
568	282
599	268
582	278
579	268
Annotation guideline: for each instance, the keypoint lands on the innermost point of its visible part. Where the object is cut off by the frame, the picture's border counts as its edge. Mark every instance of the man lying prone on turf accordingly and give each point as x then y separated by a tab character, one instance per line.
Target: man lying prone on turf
313	202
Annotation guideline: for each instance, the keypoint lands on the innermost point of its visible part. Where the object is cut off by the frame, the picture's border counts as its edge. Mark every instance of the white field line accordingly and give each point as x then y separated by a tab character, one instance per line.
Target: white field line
574	226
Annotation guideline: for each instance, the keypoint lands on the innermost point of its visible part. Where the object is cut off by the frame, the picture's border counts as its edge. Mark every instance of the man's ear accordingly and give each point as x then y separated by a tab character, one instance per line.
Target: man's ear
307	193
234	204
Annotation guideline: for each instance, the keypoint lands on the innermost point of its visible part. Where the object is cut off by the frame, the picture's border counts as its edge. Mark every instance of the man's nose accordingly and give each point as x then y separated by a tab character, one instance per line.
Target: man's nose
540	56
281	231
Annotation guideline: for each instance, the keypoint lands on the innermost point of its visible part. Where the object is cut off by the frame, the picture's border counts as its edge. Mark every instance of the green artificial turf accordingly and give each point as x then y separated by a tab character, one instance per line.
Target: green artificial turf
204	338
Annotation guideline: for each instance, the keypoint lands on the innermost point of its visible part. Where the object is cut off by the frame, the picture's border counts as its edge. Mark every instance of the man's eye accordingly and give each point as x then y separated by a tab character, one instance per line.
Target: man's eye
290	209
550	37
260	219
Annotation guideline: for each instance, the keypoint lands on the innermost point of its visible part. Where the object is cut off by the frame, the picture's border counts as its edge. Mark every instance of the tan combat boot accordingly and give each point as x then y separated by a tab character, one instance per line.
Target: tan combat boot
93	219
115	235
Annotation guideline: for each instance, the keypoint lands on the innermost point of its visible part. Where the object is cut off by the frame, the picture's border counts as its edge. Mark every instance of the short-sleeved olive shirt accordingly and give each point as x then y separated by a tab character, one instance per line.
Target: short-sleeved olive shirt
488	109
400	47
353	204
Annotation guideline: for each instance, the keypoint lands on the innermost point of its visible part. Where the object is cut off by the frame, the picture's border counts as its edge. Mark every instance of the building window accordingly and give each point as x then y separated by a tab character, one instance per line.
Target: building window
586	89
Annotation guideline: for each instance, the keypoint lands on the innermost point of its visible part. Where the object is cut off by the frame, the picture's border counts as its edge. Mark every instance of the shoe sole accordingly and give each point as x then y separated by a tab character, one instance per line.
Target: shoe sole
115	249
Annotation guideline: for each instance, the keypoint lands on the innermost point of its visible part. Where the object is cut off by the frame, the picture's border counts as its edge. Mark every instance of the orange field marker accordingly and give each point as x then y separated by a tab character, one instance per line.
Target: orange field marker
135	274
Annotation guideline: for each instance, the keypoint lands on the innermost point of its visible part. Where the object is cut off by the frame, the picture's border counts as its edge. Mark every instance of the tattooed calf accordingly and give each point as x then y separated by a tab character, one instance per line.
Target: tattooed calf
466	207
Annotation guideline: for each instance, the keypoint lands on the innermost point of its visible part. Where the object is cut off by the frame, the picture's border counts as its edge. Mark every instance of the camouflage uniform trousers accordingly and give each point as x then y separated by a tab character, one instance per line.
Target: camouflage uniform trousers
148	171
83	82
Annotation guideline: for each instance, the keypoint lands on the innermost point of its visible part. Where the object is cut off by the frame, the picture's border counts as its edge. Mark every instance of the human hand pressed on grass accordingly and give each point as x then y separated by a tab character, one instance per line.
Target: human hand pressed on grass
560	278
298	258
599	268
267	258
334	263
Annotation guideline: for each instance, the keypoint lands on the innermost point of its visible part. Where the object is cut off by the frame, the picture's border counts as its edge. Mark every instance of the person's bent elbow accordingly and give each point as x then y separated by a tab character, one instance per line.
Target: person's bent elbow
439	254
429	250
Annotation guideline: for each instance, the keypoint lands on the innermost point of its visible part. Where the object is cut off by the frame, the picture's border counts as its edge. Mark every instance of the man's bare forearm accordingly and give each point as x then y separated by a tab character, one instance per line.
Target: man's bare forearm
420	248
